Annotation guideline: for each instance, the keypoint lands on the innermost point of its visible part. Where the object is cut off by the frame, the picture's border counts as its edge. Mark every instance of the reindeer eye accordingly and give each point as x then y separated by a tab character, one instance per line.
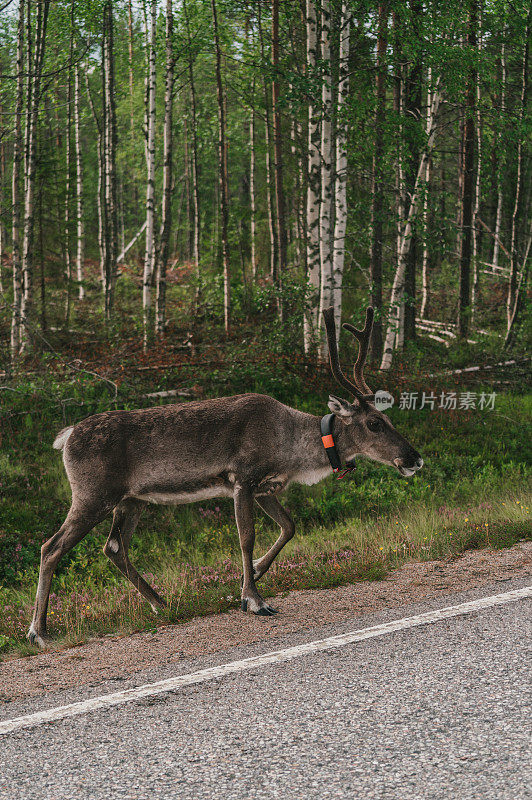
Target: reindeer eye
375	425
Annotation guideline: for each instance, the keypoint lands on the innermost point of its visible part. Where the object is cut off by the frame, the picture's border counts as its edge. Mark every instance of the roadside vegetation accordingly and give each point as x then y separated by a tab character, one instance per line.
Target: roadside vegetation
473	491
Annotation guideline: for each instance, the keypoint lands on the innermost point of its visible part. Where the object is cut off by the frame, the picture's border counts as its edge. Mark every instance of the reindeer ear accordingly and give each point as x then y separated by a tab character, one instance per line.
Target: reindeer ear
342	409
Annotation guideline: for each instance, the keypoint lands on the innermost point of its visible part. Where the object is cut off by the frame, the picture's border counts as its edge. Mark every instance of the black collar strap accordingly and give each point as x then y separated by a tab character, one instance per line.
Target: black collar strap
326	427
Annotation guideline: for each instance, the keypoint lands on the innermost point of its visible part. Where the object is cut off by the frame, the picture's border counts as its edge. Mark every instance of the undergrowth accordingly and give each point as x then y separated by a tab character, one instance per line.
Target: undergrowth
473	491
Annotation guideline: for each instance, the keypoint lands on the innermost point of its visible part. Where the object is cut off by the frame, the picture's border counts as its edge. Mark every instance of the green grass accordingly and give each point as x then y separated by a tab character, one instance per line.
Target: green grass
90	598
473	491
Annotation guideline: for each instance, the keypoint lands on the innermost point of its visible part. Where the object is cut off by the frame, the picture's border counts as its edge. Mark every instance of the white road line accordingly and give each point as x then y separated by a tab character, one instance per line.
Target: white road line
171	684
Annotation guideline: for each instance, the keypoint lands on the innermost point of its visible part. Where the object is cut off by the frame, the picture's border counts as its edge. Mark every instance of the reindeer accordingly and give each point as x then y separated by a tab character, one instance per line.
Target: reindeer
248	447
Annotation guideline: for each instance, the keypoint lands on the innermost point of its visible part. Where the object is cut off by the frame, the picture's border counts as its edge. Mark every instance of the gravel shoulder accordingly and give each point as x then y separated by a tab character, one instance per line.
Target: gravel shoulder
114	658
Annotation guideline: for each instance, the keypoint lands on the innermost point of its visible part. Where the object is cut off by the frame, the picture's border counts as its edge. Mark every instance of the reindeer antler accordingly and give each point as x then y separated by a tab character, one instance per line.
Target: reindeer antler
330	327
363	338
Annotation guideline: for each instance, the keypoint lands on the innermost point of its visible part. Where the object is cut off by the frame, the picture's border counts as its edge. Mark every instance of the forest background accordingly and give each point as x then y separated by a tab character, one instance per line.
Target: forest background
184	186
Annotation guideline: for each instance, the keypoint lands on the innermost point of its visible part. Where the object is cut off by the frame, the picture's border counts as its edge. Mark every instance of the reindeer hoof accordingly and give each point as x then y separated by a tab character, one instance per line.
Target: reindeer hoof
244	604
266	611
34	638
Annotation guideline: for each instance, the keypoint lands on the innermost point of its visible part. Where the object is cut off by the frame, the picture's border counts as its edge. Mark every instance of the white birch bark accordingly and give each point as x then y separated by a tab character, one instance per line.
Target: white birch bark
405	239
296	132
166	212
326	174
79	189
310	322
129	245
340	195
400	211
99	189
68	149
476	204
426	254
149	255
253	222
513	278
109	194
269	193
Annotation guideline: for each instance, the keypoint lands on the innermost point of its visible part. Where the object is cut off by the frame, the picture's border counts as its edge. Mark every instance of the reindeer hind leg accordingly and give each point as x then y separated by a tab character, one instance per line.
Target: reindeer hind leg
125	519
79	521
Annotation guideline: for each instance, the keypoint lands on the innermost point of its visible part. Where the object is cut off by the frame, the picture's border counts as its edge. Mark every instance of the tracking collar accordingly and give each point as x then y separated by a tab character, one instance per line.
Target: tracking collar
326	427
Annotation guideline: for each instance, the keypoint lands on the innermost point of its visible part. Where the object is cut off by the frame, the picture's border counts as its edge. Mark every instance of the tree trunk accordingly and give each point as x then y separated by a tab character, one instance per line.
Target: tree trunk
130	62
253	202
426	253
68	184
149	255
326	173
310	323
270	198
404	243
15	188
110	209
398	105
413	122
476	205
35	62
519	295
377	206
340	193
195	168
500	156
278	143
514	248
222	165
99	191
464	307
79	189
166	212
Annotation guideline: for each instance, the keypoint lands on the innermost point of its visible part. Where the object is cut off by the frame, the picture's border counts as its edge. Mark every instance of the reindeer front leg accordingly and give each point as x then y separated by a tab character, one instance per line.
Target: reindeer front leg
251	599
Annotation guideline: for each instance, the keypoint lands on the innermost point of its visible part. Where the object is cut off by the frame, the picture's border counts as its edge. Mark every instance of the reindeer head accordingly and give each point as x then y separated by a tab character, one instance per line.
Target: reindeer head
365	430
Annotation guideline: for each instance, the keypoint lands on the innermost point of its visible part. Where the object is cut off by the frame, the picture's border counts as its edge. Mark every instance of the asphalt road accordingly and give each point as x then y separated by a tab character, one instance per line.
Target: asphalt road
438	711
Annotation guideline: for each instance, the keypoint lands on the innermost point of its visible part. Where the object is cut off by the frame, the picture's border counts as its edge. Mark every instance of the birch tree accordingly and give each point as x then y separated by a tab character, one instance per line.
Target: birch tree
413	125
466	201
270	198
405	238
425	257
377	189
400	203
166	212
252	199
222	170
100	184
109	202
340	193
68	160
310	322
149	253
326	172
35	59
511	296
499	155
477	192
195	166
79	188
